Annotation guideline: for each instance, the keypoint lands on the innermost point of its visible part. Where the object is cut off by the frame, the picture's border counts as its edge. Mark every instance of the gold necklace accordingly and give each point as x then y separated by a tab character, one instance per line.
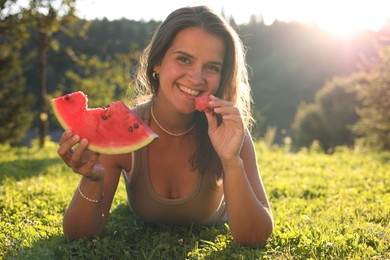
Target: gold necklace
166	131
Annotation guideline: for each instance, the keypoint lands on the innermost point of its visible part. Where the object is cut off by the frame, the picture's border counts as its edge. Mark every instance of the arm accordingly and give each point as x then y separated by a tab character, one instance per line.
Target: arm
249	216
85	218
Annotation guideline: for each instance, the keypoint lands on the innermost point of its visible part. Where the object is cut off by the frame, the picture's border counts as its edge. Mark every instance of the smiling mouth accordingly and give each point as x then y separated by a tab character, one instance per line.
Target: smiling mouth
189	91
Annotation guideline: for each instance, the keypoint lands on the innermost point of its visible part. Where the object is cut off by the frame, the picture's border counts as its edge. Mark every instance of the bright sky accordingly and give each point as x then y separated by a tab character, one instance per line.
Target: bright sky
342	17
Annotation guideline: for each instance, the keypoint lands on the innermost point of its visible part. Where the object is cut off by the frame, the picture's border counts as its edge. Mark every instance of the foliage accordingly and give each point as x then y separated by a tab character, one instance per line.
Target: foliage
289	62
374	123
325	207
308	124
103	40
45	17
15	104
103	80
330	117
338	104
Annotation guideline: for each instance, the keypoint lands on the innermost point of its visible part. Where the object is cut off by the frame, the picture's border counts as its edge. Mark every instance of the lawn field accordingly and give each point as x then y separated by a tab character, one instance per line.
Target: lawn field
325	207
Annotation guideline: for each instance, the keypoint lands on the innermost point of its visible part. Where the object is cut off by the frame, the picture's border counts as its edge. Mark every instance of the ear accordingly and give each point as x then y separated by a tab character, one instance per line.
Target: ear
156	69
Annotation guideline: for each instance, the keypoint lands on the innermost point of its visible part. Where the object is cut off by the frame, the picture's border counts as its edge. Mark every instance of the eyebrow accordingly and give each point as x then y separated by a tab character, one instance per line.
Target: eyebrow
191	56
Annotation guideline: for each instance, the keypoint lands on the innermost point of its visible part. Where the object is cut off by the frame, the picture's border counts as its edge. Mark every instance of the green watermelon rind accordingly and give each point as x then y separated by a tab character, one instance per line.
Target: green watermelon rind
107	150
58	116
116	150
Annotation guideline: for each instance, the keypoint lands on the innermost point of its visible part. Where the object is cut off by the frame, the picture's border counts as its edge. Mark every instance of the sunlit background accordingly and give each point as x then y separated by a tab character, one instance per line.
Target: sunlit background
341	17
301	54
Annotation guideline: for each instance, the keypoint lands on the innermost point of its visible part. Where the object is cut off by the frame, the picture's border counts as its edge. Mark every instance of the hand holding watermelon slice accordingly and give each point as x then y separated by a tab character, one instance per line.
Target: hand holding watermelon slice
112	130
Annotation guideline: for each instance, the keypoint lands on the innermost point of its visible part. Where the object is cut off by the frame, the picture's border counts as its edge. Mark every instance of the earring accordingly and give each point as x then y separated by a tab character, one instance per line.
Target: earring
155	75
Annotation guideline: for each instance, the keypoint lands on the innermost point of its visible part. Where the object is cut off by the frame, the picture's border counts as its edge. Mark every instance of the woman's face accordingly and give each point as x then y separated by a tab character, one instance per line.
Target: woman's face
192	66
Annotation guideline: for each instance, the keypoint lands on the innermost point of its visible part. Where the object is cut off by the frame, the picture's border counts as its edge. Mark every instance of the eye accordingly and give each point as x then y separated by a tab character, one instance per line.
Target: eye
183	59
213	68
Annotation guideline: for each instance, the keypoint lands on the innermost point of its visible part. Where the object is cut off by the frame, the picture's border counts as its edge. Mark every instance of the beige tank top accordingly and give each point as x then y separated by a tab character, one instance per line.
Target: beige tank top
205	205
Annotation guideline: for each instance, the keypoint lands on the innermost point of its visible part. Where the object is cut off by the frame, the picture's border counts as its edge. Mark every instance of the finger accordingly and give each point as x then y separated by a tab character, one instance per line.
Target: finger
212	97
66	147
228	110
217	102
75	160
212	120
65	136
234	119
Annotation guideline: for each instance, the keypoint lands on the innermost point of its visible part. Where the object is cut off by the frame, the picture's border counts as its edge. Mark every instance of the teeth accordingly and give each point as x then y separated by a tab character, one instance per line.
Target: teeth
189	91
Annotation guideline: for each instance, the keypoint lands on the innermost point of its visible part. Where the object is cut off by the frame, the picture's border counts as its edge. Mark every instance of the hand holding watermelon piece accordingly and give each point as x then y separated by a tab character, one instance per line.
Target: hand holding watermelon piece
111	130
202	104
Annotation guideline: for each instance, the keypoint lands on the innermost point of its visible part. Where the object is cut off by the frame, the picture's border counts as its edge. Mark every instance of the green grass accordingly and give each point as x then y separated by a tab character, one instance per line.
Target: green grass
325	207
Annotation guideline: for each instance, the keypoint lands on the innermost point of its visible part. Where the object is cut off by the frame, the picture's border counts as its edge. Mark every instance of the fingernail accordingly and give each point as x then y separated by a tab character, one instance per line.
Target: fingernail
75	138
84	141
68	132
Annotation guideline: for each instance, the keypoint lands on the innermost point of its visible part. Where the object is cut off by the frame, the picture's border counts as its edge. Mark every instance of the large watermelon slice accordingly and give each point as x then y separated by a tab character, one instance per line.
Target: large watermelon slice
111	130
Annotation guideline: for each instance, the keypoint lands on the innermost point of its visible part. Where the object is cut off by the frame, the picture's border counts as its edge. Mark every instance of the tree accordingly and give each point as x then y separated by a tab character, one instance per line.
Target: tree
330	117
15	103
291	62
48	17
374	123
102	80
308	125
338	105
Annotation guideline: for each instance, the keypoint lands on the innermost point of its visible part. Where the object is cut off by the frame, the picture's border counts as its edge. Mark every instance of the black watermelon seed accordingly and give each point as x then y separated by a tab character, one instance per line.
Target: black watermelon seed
105	117
131	129
136	125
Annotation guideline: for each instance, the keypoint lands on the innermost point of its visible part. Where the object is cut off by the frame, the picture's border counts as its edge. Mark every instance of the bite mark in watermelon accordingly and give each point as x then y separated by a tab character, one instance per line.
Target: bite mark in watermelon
111	130
202	103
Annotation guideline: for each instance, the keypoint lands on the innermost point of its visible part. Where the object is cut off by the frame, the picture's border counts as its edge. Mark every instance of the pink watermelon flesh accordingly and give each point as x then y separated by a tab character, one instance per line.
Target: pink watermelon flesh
112	130
202	103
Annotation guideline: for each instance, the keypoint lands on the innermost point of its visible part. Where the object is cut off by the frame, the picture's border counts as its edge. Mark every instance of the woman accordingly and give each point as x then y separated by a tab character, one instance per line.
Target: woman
209	171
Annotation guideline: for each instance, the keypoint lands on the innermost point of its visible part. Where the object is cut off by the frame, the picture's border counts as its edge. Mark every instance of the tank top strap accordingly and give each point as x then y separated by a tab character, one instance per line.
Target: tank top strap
143	111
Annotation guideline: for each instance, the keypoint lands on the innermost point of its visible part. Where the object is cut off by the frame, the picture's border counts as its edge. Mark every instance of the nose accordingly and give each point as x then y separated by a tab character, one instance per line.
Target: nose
196	76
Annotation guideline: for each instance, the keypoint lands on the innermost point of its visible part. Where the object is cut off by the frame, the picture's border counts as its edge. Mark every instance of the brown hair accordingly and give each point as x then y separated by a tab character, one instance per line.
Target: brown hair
234	84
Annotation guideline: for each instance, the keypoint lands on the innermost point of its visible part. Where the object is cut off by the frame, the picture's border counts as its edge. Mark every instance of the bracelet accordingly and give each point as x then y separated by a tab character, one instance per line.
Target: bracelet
85	197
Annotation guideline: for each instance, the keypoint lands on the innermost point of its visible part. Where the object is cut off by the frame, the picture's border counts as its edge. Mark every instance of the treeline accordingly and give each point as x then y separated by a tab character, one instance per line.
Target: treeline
104	40
290	64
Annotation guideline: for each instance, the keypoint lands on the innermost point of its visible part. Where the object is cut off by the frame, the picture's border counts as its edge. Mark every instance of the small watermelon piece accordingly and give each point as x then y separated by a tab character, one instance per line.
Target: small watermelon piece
202	103
111	130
